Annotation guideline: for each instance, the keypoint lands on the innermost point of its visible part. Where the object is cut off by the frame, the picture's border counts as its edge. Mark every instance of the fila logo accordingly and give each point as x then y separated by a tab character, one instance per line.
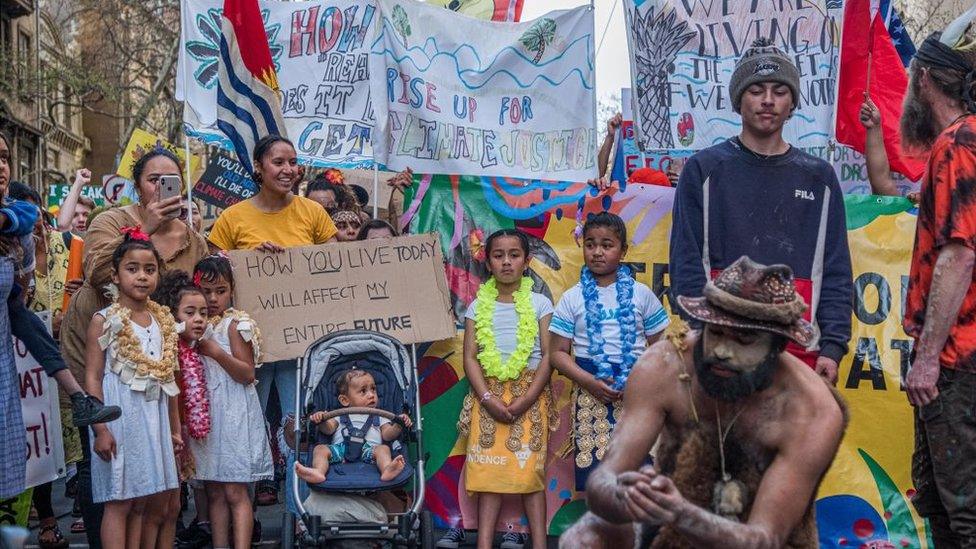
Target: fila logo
805	195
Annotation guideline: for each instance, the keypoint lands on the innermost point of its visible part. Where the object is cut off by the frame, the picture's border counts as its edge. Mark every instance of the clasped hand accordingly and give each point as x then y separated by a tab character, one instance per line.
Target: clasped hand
647	496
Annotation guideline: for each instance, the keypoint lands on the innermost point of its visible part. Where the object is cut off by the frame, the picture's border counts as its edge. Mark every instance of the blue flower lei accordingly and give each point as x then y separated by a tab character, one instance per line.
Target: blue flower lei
625	317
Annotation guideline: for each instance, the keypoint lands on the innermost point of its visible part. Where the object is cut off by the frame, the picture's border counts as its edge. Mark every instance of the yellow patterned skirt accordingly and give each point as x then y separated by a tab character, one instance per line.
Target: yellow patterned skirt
507	459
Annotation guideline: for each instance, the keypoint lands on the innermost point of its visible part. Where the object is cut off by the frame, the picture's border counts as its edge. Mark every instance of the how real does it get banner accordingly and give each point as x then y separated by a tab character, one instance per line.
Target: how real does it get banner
395	286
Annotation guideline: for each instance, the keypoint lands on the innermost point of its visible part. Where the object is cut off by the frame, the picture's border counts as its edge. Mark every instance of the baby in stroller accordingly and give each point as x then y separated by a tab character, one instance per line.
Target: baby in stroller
355	437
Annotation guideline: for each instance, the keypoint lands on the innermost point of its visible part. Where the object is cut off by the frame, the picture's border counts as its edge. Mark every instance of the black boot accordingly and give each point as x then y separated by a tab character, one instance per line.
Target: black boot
88	410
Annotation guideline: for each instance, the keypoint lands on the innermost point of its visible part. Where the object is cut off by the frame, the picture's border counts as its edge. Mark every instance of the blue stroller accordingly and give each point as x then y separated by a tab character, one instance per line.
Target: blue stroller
396	384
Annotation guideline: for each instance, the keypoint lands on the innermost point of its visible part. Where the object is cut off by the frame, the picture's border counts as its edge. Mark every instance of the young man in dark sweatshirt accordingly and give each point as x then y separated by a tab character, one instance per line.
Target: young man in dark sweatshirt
757	195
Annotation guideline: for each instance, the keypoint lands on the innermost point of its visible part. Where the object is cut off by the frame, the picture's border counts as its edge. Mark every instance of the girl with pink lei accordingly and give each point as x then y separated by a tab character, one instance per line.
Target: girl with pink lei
235	453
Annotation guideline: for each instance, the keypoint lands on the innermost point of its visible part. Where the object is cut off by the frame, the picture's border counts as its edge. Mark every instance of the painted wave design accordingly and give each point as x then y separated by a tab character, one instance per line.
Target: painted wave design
565	63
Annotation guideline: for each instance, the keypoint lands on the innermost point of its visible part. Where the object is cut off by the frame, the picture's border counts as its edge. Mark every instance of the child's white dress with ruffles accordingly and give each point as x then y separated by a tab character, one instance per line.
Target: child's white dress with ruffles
144	462
237	449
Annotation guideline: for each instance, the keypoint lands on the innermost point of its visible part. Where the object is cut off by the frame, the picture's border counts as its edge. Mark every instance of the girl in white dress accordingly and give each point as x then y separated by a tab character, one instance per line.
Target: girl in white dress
236	452
131	363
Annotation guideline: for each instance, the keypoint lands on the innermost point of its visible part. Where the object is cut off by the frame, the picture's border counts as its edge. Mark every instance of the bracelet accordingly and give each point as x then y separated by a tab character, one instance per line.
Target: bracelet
485	397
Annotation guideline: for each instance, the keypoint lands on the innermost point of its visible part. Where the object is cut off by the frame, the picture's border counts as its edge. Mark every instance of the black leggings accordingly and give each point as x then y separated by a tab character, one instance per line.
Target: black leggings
90	511
42	501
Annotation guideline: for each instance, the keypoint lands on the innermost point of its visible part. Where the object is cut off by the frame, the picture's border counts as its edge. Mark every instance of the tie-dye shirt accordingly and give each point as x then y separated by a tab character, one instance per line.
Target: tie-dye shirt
946	213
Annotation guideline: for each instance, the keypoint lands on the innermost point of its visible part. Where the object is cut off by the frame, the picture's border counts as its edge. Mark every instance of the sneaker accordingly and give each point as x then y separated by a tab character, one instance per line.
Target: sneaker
88	410
452	539
514	540
194	536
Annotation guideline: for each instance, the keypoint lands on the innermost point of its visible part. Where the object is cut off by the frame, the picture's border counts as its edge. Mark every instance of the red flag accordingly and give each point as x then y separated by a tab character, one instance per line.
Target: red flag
868	50
245	17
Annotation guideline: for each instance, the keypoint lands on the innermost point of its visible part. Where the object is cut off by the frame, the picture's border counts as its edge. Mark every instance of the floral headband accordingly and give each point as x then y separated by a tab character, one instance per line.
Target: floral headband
347	216
135	233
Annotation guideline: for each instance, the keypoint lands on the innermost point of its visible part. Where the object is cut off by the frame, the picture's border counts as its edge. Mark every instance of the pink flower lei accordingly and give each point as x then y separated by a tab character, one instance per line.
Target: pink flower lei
193	385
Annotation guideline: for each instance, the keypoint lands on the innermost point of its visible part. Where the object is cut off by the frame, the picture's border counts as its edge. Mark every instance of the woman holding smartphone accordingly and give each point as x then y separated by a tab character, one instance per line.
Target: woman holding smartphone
180	247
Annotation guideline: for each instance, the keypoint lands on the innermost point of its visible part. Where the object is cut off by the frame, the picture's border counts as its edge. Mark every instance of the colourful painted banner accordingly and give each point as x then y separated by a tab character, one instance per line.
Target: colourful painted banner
494	10
320	52
453	94
683	53
864	499
864	496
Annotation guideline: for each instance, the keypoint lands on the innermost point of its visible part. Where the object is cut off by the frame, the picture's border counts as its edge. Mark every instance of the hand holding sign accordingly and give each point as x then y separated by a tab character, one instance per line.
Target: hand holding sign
394	286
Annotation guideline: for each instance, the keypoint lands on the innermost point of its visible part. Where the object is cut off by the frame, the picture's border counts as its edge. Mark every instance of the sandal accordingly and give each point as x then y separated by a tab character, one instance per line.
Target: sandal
78	526
59	542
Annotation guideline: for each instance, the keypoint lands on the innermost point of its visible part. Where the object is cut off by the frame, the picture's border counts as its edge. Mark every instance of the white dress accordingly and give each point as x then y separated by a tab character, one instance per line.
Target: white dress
236	450
144	463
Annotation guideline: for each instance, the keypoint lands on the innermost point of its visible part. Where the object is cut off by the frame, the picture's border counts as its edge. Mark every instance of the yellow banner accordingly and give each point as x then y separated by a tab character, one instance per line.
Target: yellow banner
142	142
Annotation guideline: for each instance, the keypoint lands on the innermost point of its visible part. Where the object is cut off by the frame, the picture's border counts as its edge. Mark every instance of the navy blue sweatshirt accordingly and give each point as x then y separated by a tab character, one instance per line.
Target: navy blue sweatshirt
786	209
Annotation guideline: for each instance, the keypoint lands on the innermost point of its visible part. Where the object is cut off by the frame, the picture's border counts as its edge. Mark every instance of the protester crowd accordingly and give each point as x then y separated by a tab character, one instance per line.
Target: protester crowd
163	386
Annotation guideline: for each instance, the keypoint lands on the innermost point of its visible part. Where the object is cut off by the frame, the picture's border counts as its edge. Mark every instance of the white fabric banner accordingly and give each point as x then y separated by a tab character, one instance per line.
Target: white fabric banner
42	418
683	53
453	94
320	51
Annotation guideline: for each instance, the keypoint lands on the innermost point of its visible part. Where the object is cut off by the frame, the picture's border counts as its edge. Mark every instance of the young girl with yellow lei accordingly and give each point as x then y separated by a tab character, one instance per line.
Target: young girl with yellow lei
132	363
509	411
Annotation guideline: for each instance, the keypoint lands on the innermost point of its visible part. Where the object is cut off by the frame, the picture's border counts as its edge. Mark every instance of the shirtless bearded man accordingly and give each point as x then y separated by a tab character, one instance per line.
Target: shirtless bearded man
747	430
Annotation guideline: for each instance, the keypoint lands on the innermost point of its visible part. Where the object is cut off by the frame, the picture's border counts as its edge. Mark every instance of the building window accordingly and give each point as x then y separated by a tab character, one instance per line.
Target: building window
54	160
6	34
24	55
65	107
26	162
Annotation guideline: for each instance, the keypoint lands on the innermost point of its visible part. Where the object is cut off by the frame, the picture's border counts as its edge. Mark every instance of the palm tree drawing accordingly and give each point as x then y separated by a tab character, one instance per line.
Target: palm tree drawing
401	22
539	35
657	39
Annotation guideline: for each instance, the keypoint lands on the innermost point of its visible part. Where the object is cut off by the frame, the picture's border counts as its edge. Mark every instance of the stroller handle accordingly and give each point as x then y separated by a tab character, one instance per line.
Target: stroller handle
359	410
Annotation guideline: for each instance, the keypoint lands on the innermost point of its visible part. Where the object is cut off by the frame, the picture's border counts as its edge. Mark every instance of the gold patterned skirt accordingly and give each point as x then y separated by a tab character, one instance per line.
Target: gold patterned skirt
593	423
507	459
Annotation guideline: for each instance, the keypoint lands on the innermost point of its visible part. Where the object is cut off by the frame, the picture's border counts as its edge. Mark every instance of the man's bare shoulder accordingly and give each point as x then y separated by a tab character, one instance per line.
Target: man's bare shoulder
810	403
663	366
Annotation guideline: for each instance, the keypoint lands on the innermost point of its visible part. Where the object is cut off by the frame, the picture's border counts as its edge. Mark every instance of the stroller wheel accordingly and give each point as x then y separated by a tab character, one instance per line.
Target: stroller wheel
426	533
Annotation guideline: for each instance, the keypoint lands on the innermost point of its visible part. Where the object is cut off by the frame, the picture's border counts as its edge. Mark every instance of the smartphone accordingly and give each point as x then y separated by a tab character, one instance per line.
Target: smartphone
170	186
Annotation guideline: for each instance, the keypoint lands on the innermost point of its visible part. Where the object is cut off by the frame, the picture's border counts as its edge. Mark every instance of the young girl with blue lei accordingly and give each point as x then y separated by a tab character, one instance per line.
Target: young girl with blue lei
605	321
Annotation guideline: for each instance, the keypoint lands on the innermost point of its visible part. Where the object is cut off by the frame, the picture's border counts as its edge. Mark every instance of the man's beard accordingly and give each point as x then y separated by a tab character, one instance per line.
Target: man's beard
918	126
737	386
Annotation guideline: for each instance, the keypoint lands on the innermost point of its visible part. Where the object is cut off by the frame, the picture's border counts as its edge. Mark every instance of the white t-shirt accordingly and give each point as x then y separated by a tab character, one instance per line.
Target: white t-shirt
569	320
506	322
373	435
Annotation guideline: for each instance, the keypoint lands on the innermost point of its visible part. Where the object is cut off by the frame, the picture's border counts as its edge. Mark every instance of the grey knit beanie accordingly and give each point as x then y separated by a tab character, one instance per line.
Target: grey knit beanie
763	62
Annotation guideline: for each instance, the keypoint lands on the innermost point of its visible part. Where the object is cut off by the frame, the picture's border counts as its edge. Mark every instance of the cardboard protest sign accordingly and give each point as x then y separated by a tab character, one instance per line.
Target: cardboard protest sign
224	183
683	54
42	419
458	95
395	286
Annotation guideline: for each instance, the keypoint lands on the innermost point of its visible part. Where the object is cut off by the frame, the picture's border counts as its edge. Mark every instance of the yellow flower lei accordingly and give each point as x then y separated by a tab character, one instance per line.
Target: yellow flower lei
129	348
526	331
